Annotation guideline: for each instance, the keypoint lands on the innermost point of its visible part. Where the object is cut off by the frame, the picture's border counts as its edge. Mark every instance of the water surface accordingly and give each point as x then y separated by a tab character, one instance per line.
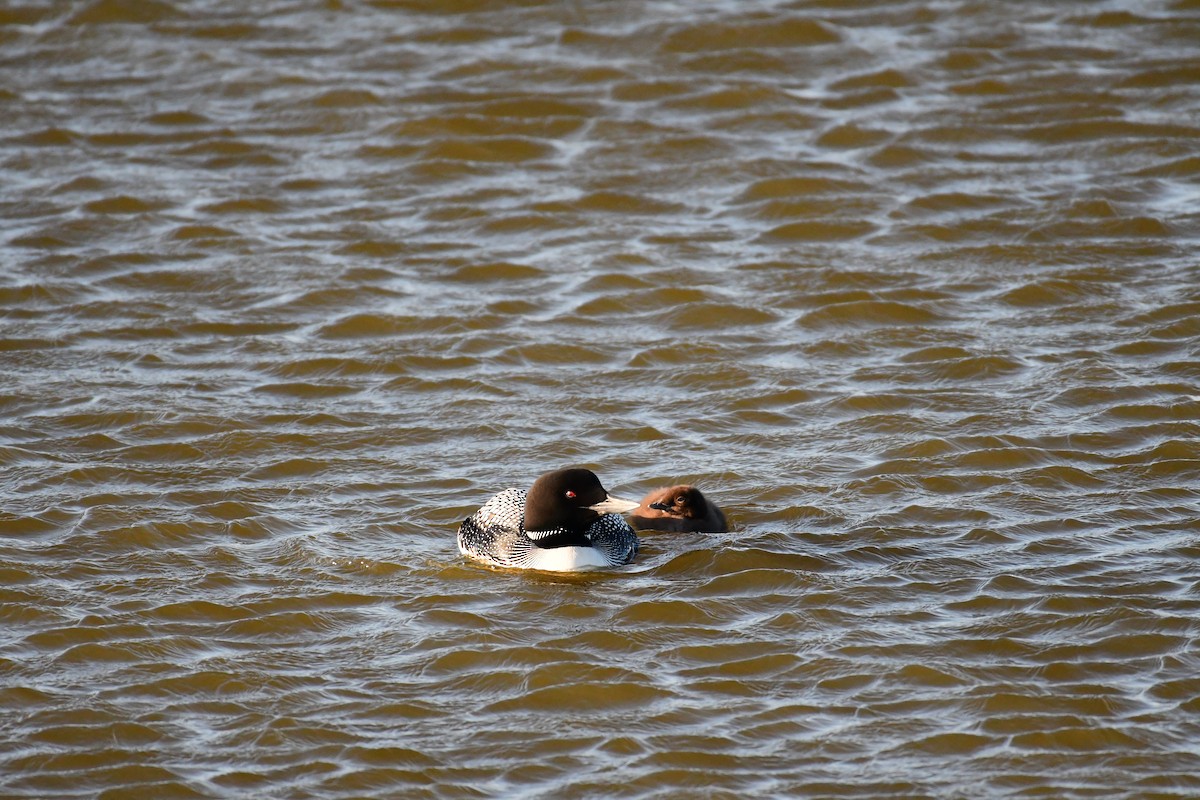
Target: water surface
910	288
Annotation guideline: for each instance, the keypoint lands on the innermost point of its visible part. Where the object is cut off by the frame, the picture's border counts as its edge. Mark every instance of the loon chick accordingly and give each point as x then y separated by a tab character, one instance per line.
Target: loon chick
678	509
566	522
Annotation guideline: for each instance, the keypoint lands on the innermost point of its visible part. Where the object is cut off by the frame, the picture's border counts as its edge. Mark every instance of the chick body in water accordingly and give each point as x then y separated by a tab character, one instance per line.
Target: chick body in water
679	508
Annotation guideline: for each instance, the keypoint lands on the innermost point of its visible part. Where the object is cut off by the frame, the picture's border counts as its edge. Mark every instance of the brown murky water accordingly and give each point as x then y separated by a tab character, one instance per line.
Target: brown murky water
912	289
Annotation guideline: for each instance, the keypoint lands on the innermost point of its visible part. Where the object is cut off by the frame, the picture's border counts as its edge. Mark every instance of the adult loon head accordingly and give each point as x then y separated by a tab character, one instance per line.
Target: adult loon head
562	505
678	508
565	522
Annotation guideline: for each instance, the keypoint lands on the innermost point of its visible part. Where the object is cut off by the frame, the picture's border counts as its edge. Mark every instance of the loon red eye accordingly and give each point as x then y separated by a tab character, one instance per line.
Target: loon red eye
570	494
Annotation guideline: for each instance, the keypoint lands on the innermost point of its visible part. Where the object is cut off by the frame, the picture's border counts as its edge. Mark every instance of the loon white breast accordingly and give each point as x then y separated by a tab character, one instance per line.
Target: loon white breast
567	521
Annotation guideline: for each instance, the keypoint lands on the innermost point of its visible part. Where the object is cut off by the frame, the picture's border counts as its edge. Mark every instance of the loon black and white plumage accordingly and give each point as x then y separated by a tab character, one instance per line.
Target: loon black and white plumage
566	521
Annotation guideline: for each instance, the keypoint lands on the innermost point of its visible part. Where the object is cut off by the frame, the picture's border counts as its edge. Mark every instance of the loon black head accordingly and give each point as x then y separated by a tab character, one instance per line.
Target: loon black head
568	501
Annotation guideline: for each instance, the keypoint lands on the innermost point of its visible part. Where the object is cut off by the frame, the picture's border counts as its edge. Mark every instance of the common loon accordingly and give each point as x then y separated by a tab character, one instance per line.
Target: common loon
678	508
567	521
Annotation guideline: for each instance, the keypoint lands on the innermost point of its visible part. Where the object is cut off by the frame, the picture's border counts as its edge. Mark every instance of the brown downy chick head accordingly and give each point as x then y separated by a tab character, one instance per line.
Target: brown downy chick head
678	508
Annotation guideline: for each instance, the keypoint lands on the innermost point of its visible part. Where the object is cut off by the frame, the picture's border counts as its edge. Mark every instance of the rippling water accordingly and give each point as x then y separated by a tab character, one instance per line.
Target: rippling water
912	289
